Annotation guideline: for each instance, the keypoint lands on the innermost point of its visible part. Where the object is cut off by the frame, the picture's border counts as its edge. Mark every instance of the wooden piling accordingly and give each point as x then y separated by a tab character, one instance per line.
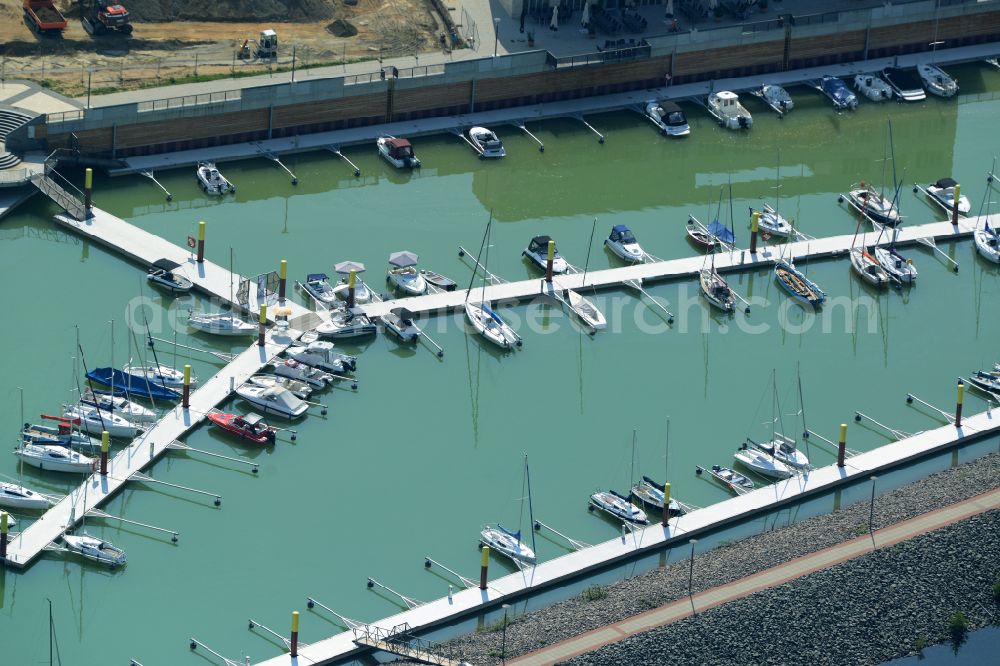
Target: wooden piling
186	394
954	205
666	502
549	260
958	404
294	643
754	228
201	242
88	186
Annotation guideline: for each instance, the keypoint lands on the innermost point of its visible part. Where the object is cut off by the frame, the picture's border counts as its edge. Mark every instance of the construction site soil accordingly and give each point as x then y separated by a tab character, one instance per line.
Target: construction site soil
177	40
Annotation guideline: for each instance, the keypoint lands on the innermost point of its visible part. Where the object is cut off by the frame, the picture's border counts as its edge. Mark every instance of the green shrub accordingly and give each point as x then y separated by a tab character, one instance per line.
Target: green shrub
996	590
594	593
958	624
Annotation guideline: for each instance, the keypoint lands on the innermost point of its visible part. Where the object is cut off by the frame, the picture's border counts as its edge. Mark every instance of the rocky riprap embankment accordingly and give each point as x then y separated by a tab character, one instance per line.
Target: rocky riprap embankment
634	595
864	611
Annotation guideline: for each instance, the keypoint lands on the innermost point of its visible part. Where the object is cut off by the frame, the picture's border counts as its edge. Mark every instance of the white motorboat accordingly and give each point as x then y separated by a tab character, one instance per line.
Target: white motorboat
220	323
320	355
777	97
623	244
159	375
212	180
490	325
487	143
906	84
868	268
95	550
273	400
362	294
839	93
943	192
873	87
299	389
117	404
62	435
407	280
668	117
14	496
397	152
292	369
93	421
763	464
987	243
896	265
772	222
784	449
873	205
618	506
399	322
586	310
318	286
54	458
716	290
538	252
725	107
162	274
508	543
344	324
937	81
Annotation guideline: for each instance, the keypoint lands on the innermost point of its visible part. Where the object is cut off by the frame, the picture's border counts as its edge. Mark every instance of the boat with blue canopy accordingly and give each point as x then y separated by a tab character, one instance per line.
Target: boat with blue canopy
131	385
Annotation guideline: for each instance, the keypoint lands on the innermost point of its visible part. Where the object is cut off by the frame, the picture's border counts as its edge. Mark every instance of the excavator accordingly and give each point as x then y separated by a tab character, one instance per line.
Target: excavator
102	17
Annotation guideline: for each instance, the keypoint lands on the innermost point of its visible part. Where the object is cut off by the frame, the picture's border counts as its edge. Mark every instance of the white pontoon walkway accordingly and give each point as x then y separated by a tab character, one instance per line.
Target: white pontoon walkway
141	453
144	248
575	564
766	255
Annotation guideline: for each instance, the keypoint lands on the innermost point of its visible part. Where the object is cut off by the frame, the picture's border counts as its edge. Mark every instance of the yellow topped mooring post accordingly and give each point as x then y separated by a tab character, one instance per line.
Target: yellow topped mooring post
549	260
88	186
186	395
484	565
3	535
754	228
958	404
263	325
105	447
954	205
842	445
666	502
352	280
295	634
282	279
201	242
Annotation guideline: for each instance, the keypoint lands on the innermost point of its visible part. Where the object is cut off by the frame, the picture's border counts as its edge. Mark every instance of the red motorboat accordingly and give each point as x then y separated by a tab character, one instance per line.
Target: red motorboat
251	427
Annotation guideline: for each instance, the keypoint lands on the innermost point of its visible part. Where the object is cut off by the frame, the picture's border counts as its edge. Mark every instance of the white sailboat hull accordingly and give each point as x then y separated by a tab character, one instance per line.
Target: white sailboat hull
55	459
14	496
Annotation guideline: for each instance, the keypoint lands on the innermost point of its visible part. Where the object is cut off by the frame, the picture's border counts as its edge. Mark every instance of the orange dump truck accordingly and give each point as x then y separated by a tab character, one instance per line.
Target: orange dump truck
43	17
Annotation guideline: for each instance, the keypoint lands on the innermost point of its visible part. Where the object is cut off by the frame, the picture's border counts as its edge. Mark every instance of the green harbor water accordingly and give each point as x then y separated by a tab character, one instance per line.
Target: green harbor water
428	450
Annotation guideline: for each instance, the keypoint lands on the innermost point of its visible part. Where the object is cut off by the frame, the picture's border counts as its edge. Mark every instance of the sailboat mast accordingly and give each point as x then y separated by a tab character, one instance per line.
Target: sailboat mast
51	630
631	471
231	285
476	266
531	513
486	258
590	246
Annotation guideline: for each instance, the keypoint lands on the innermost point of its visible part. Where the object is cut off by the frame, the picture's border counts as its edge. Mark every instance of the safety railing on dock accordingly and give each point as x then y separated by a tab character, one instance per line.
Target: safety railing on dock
400	641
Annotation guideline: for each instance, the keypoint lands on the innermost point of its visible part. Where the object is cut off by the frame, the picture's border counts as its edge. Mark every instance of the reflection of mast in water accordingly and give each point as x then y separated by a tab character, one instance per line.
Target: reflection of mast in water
473	387
579	358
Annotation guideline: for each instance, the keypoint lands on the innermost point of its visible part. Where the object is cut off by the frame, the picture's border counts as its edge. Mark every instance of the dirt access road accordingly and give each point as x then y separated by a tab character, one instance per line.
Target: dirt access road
161	52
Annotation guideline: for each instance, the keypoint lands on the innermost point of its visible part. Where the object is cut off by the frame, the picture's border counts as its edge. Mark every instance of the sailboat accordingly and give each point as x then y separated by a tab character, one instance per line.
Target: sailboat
987	242
484	320
899	268
221	323
780	446
617	505
651	494
771	221
715	288
763	464
508	542
90	547
797	284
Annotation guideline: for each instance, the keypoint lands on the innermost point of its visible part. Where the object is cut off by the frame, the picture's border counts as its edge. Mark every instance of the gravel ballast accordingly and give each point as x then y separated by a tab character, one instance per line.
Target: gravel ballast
622	599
